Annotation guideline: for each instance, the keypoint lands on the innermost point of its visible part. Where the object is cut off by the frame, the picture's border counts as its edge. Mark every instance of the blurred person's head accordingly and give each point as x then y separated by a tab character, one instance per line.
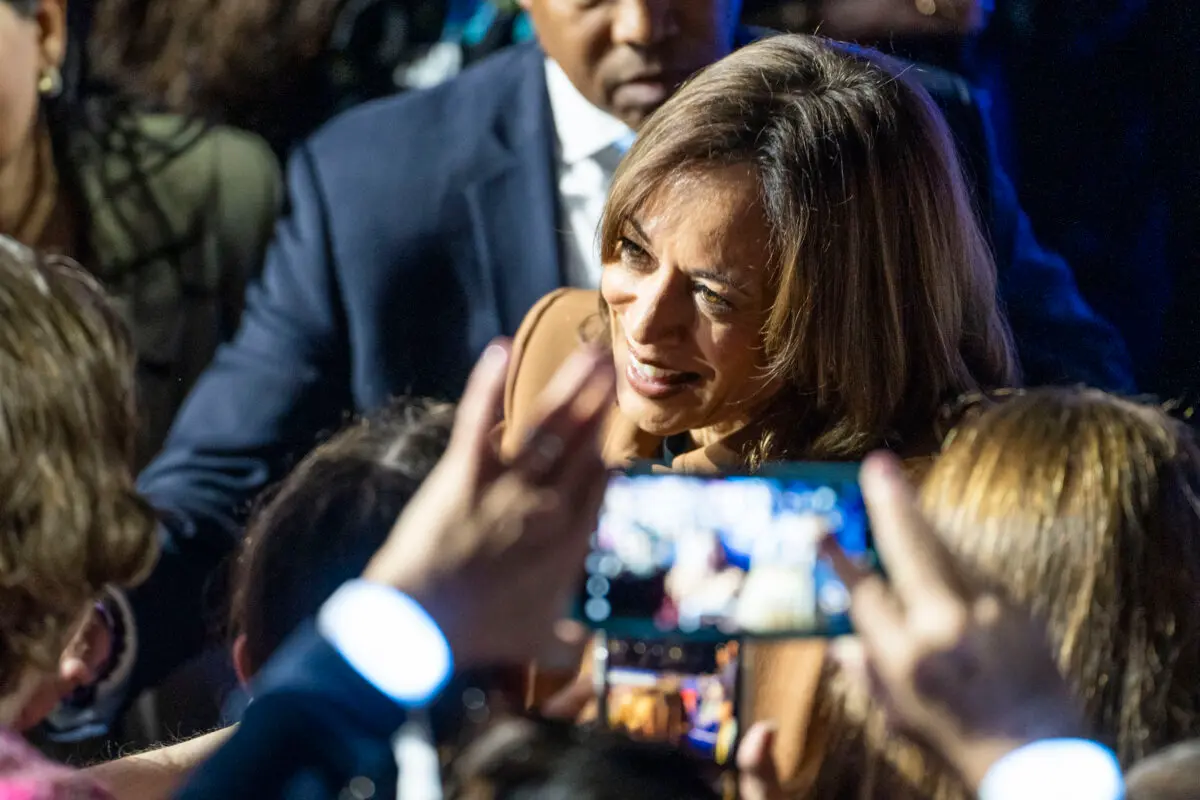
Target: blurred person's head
249	63
530	759
1086	508
324	522
1173	774
790	242
628	56
70	521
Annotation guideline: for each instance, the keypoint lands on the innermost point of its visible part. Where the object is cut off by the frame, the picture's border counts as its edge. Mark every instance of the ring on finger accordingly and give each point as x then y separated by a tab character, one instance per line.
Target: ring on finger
544	450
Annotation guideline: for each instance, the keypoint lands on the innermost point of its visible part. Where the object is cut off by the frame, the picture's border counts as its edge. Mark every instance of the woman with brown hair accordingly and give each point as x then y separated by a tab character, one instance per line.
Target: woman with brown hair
1086	508
172	215
71	524
792	271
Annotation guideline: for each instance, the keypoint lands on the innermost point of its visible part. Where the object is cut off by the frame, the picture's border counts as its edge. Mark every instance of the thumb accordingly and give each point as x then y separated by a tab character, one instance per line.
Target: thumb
482	403
570	703
758	776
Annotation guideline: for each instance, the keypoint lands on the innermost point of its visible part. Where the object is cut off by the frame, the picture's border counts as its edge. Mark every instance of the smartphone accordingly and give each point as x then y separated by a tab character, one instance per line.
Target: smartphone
682	693
710	557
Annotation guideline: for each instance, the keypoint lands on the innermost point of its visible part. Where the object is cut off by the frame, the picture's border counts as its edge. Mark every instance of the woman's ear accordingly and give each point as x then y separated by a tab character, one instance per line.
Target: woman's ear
241	661
51	18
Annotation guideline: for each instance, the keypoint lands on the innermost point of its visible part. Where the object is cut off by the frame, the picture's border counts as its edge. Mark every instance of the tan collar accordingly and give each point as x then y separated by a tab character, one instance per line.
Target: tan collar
625	442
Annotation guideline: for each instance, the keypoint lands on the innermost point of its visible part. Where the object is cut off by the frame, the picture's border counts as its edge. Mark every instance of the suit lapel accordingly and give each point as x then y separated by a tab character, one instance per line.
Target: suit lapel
513	205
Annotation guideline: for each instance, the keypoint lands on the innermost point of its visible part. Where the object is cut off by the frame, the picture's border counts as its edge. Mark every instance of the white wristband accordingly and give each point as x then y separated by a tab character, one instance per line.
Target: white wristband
1055	768
389	640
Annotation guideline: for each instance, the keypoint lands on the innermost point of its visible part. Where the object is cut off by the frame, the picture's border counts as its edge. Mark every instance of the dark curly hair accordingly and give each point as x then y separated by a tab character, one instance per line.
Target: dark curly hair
71	522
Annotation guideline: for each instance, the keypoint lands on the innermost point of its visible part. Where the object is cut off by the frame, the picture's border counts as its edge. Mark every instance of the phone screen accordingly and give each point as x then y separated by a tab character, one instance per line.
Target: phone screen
685	694
704	557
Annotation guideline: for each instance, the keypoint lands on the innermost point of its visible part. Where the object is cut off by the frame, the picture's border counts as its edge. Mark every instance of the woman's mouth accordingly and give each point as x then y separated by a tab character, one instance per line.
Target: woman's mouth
656	382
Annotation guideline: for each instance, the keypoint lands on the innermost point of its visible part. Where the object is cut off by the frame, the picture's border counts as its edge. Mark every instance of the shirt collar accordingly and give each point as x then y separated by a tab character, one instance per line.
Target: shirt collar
582	129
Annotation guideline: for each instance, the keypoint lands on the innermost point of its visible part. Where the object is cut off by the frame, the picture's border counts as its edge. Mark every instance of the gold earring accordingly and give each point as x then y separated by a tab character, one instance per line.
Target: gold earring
50	82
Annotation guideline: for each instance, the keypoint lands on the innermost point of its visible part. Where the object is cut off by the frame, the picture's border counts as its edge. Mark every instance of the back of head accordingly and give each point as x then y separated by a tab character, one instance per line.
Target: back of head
1086	508
1173	774
885	290
70	520
324	522
521	759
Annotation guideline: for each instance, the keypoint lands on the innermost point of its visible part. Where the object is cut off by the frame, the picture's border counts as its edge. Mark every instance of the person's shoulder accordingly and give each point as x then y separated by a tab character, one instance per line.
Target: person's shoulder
553	329
944	86
447	114
565	306
169	146
199	175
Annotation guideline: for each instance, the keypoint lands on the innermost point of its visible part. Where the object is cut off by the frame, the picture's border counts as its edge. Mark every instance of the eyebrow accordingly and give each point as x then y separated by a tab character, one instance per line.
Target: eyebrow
705	274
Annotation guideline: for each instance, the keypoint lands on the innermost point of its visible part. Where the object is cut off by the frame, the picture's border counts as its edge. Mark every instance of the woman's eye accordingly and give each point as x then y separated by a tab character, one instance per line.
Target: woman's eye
631	251
712	298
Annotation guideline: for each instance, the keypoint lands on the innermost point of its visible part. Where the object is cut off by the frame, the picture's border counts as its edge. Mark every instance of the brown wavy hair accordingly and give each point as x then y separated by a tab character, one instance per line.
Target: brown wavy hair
1086	508
885	289
70	520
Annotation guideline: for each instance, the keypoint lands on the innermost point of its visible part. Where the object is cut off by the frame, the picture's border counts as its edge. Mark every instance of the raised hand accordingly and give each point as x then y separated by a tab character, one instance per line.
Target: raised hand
491	549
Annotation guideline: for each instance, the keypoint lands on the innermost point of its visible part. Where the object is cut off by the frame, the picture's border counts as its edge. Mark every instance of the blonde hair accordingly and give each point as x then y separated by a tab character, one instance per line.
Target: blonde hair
885	289
1086	508
70	520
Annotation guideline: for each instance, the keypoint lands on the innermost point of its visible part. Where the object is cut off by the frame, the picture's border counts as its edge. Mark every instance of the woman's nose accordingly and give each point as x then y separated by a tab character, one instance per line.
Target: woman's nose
659	314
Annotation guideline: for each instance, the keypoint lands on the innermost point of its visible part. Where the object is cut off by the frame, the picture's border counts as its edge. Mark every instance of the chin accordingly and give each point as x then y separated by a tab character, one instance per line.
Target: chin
656	417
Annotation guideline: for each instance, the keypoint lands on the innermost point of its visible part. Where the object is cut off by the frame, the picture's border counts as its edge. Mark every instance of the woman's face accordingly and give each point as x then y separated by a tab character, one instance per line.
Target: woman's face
20	64
687	296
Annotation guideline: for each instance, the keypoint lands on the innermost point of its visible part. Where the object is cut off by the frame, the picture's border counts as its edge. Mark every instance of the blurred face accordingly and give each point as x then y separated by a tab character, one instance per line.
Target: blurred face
687	297
20	64
628	56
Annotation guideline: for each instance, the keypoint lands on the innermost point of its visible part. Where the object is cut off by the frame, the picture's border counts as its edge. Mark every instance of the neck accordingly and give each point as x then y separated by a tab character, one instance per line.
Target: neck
734	432
25	177
18	184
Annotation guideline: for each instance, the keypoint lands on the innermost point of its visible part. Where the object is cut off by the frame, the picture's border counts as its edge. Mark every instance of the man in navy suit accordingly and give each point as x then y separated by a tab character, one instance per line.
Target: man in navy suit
421	226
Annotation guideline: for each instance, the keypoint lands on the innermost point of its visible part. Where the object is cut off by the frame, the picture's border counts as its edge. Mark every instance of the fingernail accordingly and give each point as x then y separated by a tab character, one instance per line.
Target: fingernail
846	652
878	471
495	352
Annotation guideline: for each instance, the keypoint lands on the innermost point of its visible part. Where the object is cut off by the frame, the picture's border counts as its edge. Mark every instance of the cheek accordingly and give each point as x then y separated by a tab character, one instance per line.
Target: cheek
728	351
18	97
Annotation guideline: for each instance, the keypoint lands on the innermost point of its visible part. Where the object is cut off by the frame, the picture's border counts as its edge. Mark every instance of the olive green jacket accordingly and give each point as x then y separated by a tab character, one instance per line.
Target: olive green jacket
177	217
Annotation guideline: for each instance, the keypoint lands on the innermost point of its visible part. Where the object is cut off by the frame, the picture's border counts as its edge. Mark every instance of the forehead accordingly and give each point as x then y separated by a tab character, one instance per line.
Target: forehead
708	217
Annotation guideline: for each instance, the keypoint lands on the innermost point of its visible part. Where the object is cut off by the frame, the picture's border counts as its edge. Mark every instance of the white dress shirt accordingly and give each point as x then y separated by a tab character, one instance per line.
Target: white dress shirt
590	143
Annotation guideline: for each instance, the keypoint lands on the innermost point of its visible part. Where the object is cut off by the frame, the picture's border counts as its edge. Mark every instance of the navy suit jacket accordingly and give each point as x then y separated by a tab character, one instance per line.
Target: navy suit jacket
419	227
314	728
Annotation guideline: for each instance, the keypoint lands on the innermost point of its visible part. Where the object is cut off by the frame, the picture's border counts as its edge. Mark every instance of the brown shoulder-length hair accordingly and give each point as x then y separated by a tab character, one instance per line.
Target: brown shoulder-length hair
1086	508
70	520
885	290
